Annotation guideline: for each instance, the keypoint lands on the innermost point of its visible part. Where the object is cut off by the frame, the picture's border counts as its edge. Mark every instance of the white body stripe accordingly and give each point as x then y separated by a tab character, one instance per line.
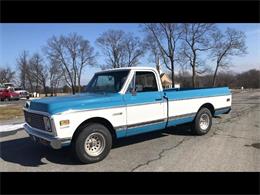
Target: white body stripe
77	118
144	113
180	107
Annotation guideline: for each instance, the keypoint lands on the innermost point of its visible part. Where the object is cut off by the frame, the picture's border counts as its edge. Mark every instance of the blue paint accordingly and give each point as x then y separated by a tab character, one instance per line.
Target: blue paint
140	130
180	121
121	133
179	94
53	105
152	127
144	97
144	129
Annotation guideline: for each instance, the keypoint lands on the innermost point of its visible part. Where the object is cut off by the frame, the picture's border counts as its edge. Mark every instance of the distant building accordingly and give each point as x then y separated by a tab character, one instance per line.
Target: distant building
166	81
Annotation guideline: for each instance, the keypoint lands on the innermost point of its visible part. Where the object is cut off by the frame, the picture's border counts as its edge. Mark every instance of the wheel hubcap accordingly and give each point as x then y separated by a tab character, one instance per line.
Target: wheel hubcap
204	121
95	144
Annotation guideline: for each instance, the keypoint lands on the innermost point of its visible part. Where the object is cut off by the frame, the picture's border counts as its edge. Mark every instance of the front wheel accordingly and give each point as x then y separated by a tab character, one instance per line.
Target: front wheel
93	143
202	122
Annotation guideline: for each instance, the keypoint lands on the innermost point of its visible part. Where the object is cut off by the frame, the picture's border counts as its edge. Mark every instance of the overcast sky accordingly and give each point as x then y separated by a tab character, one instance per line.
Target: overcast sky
14	38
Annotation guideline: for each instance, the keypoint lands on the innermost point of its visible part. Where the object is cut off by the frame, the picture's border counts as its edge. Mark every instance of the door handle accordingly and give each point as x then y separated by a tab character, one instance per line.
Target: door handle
158	99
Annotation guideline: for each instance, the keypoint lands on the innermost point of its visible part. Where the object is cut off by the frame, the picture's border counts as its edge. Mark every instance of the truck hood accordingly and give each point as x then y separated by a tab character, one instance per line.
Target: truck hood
54	105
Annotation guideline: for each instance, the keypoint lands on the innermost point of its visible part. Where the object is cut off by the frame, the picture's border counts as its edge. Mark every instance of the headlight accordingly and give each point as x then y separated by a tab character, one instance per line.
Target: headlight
47	123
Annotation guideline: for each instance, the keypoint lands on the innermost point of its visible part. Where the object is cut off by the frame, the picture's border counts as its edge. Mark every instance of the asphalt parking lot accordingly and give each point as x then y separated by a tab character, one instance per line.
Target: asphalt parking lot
233	144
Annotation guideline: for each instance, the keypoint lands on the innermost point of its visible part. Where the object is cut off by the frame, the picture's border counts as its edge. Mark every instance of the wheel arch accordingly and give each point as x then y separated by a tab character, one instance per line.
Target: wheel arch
99	120
208	106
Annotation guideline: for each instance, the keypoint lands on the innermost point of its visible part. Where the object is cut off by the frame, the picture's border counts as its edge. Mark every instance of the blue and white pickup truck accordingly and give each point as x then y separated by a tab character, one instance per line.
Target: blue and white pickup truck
119	103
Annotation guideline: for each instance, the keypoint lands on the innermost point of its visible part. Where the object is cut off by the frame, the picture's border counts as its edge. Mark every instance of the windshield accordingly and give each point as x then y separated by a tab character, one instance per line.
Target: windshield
108	82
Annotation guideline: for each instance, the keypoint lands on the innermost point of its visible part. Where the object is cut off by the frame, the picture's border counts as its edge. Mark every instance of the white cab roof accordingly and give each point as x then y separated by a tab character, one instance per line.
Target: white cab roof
130	68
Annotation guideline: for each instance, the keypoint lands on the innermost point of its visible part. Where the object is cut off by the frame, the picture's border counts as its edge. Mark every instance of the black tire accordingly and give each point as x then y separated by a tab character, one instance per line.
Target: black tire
2	99
202	129
27	97
79	143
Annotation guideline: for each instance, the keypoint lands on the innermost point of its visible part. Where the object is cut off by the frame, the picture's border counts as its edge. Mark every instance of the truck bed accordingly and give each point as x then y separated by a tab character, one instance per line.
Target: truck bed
189	93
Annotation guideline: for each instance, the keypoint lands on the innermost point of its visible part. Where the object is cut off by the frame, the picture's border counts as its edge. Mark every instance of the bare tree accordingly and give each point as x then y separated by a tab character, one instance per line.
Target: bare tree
248	79
112	44
55	75
134	50
197	38
26	79
232	43
22	62
6	75
151	45
38	72
86	57
74	53
121	49
166	36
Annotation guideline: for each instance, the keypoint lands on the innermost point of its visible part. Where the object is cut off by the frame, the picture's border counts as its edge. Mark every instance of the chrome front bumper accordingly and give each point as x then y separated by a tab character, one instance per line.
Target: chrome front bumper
43	138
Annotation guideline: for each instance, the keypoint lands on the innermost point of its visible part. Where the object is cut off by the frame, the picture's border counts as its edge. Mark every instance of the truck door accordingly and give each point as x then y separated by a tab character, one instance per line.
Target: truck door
144	104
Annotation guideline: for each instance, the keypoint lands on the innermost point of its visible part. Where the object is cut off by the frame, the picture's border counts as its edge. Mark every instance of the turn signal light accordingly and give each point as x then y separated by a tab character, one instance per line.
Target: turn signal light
64	122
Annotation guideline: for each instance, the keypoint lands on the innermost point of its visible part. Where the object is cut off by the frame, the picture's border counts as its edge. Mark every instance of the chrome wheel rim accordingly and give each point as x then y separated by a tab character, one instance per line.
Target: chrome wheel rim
204	121
95	144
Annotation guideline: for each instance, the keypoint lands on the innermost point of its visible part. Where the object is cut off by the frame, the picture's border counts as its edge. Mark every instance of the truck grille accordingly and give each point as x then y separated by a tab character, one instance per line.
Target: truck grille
34	120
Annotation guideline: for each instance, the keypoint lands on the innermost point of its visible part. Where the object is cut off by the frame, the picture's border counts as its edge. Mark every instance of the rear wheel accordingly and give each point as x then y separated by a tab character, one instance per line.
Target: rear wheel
202	122
93	143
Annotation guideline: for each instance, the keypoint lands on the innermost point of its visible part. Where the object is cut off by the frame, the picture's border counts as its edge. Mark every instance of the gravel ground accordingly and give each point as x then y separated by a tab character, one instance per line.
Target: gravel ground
233	144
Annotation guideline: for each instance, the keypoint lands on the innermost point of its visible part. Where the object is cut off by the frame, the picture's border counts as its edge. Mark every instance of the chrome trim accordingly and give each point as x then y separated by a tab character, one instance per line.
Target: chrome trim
41	131
111	107
54	142
119	113
198	97
171	118
140	124
37	112
124	127
89	109
53	128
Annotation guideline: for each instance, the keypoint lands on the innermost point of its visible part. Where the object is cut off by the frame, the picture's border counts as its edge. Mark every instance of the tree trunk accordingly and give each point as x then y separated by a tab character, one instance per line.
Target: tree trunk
193	77
215	76
79	88
73	89
172	67
52	90
45	91
193	65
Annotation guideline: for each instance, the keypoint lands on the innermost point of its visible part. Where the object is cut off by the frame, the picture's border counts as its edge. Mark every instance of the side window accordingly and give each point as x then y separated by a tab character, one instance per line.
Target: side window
145	82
